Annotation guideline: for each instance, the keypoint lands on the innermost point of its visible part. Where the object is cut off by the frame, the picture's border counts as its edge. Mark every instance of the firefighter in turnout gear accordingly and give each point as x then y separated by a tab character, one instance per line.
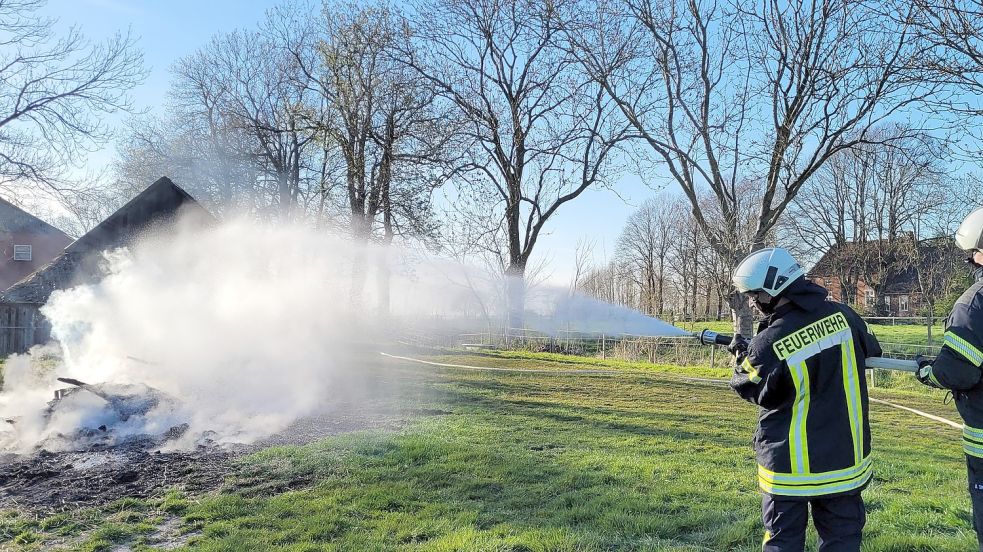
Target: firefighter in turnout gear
957	367
805	370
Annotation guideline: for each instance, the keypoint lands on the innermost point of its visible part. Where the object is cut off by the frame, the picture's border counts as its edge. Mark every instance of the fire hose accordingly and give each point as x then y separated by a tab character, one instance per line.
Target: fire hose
708	337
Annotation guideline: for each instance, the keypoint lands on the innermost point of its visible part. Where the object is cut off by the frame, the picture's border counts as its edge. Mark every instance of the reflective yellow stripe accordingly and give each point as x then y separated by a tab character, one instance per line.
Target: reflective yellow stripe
963	347
798	440
765	540
851	390
932	378
752	374
973	441
812	478
790	484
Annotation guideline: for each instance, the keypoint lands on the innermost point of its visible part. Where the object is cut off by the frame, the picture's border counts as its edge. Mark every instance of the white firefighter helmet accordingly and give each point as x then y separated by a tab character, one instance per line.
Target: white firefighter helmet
970	233
770	270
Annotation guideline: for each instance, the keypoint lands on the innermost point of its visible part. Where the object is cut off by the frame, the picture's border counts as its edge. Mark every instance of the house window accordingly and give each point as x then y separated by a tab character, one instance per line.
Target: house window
903	303
869	298
22	253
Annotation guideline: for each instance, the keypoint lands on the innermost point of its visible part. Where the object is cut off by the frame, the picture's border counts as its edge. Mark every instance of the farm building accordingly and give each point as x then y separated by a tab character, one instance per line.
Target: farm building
21	323
883	279
26	243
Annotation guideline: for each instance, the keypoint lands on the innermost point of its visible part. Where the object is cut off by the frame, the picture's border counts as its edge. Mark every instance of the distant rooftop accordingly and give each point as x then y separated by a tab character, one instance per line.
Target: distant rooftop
159	203
15	220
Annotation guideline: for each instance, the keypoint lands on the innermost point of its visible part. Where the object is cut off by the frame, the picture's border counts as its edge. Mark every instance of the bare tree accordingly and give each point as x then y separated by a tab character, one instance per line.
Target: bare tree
663	264
869	205
954	31
537	132
645	245
581	262
54	95
761	91
380	117
378	120
258	95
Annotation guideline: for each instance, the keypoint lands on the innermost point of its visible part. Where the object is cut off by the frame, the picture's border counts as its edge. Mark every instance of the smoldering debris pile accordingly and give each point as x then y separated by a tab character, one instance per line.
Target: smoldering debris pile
115	406
50	481
385	396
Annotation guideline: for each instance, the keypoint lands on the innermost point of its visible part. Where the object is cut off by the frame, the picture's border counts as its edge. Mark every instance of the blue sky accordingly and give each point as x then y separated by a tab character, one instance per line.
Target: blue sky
170	30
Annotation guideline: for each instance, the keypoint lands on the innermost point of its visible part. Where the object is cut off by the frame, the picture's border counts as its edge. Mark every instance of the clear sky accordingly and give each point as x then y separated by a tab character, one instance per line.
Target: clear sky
170	30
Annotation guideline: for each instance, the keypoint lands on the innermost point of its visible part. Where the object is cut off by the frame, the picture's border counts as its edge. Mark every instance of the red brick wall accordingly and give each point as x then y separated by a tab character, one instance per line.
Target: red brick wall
44	247
894	299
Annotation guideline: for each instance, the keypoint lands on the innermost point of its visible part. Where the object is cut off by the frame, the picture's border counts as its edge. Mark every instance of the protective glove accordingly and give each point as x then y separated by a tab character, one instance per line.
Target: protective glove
738	346
924	372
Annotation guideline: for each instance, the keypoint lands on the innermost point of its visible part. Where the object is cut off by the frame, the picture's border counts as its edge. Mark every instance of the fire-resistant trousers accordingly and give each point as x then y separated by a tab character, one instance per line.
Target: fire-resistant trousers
839	521
974	466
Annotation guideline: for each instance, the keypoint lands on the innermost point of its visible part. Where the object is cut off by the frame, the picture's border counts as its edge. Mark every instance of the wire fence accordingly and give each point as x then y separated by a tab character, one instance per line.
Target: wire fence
677	350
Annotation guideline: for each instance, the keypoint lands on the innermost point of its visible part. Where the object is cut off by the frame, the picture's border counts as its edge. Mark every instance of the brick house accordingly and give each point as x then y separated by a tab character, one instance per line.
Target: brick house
26	244
902	283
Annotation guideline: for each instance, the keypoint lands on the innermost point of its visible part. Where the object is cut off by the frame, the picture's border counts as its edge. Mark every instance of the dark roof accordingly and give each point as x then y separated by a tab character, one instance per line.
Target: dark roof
827	264
79	263
15	220
849	258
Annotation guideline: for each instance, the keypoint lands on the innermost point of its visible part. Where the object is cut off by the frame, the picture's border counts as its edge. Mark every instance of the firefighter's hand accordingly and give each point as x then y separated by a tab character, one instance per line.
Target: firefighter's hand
924	372
738	346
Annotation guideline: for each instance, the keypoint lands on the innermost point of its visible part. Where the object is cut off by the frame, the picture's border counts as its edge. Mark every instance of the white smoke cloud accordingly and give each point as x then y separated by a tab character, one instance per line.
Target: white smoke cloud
250	326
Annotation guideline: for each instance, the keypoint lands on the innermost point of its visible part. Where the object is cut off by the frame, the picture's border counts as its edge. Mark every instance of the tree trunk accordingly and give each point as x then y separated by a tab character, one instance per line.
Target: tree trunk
743	316
361	228
515	288
383	283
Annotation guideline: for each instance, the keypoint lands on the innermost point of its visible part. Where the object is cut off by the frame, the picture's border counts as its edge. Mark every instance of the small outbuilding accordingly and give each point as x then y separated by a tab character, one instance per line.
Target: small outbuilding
153	210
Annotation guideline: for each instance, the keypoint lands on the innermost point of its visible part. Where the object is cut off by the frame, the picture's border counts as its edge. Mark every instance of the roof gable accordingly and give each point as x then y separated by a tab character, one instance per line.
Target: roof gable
15	220
79	263
159	202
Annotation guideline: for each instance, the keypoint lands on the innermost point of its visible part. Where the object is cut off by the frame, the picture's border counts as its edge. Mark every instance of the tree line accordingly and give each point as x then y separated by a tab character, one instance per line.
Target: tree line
771	119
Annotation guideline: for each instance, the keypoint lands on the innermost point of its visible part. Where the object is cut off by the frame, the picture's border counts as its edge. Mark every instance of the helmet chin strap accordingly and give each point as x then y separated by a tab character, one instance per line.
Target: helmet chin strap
977	268
764	308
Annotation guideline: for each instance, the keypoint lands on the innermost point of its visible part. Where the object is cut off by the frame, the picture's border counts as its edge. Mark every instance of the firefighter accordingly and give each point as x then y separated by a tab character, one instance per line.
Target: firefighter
957	368
805	370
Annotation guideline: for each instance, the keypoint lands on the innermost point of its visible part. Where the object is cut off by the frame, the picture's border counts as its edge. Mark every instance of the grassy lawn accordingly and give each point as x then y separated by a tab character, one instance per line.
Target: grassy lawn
546	461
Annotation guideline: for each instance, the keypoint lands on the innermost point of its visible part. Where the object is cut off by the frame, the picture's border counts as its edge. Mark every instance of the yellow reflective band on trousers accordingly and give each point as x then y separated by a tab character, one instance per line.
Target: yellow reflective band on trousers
815	484
973	441
798	441
963	347
851	390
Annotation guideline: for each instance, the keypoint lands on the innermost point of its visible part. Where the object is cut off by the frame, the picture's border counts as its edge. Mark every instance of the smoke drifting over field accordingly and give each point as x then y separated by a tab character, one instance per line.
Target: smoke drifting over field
251	327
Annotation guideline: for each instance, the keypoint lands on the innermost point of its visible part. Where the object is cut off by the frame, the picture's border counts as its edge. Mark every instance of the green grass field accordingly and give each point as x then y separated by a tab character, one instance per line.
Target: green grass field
546	461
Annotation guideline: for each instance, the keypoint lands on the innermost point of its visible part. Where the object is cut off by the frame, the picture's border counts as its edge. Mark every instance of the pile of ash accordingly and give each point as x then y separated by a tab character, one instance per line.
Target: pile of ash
87	415
56	481
106	454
